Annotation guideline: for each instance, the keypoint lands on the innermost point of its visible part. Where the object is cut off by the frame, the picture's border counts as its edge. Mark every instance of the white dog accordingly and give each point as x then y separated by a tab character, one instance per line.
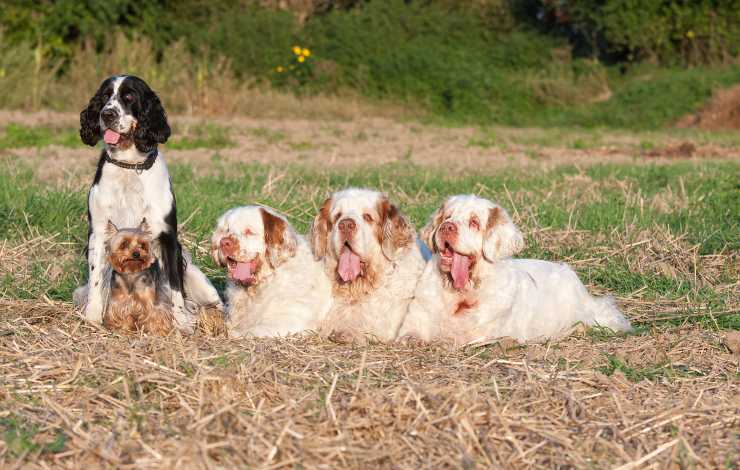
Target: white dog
471	290
370	255
275	287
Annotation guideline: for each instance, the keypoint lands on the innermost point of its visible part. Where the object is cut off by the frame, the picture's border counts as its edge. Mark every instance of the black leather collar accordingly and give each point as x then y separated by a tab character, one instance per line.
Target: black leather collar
138	167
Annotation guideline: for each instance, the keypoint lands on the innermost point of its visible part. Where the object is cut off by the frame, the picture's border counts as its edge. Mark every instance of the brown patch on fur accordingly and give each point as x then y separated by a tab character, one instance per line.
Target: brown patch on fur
464	305
430	229
274	228
383	208
392	231
320	229
276	238
495	217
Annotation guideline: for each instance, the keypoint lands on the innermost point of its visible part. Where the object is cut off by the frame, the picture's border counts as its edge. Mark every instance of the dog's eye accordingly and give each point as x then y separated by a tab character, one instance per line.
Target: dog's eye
338	216
123	245
129	97
474	223
368	218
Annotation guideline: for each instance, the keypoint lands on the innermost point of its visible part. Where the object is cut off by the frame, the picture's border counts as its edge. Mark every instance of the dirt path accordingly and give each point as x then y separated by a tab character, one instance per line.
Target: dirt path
370	141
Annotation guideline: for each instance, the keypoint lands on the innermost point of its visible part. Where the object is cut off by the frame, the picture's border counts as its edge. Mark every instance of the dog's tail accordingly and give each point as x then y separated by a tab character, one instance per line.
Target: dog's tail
606	314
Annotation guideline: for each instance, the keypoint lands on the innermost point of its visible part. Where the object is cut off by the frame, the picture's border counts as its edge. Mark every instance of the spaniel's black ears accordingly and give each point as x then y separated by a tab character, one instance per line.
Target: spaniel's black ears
152	127
90	116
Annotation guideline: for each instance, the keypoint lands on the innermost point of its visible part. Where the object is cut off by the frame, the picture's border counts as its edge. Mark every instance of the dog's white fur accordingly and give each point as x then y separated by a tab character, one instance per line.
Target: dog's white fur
290	293
374	304
519	298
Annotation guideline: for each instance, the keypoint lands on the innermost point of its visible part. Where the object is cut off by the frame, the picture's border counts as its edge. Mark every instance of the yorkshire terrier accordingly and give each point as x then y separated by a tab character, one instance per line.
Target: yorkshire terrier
138	302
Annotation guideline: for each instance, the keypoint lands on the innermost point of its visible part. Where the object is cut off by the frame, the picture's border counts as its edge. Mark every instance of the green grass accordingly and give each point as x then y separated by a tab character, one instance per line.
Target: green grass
647	98
203	136
21	439
269	135
611	199
652	372
19	136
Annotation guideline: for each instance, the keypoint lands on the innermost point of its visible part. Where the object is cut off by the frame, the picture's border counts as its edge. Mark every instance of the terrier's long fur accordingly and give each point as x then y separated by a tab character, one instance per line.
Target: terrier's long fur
138	302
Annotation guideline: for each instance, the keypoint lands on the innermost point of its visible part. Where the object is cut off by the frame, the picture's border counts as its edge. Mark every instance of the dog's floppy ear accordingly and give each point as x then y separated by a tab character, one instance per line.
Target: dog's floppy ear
218	234
396	231
320	228
502	238
280	240
152	127
427	233
90	116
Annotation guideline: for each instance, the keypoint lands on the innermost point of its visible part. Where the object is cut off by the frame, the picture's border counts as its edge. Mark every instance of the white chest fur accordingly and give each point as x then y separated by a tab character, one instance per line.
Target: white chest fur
126	196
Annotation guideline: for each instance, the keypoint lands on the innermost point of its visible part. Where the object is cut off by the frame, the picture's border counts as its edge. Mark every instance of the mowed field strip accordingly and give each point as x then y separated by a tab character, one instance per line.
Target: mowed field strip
652	218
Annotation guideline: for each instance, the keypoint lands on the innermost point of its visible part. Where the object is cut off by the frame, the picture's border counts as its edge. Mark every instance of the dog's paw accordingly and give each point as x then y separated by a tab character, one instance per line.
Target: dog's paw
186	328
341	337
93	312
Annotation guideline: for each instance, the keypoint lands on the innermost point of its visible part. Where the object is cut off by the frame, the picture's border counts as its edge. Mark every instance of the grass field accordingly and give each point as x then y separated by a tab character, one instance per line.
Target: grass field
652	218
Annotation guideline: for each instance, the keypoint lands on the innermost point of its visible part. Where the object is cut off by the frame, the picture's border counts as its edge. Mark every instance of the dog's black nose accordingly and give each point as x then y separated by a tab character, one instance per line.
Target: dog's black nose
109	115
136	254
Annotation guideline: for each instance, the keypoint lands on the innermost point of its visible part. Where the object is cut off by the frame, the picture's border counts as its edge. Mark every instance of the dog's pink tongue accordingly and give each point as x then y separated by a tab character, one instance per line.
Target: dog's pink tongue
111	137
349	265
243	272
460	270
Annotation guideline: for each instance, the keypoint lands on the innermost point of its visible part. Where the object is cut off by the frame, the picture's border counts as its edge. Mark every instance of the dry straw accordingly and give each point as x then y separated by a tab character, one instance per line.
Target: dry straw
204	402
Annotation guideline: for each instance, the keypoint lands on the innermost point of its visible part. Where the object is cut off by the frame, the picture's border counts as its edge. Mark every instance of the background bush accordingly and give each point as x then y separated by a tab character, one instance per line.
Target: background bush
624	63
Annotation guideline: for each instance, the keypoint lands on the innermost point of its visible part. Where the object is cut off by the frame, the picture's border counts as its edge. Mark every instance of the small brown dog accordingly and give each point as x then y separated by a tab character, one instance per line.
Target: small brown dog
137	300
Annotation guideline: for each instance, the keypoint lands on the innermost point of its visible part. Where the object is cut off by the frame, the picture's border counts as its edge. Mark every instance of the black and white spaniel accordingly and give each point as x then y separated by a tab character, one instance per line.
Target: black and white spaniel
132	183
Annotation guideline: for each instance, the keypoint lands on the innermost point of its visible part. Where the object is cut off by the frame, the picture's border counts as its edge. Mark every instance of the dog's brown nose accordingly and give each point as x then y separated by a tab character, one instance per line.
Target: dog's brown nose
347	227
448	228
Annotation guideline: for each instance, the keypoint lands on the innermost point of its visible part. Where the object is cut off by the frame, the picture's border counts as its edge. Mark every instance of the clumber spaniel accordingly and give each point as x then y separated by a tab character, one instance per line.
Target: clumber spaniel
274	287
369	253
472	290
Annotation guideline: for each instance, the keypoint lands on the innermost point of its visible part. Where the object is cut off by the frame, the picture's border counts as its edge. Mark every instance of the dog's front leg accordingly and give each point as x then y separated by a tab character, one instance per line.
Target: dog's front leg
97	285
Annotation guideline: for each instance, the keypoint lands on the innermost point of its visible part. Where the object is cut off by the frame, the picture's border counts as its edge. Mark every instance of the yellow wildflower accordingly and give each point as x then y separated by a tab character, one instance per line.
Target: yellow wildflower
279	69
690	35
301	59
306	52
297	50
